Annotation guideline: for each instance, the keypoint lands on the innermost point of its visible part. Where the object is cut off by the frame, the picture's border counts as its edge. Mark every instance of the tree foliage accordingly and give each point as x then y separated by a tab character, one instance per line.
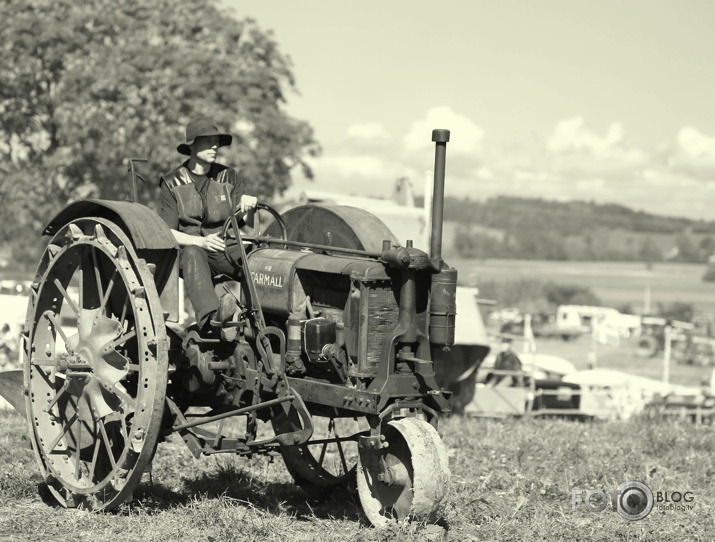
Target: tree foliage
569	294
536	296
88	84
677	310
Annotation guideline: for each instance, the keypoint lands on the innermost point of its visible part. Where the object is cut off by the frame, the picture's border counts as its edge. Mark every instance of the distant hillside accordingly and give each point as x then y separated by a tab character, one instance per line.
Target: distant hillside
511	227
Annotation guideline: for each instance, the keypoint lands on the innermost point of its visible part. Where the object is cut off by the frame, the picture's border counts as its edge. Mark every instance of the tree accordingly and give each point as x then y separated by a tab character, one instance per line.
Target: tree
649	252
687	250
87	84
569	294
709	275
707	246
677	310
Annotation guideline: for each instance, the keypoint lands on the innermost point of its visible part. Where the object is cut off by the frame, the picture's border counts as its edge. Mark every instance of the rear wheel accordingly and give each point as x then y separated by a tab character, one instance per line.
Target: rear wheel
329	458
647	347
95	370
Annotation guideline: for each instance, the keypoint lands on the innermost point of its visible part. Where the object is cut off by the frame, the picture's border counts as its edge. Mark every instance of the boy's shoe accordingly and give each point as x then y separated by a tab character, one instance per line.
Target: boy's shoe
227	308
226	323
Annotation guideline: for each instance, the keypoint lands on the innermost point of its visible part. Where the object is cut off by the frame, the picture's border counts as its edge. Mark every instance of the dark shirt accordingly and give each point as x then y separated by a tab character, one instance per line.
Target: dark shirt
168	206
507	361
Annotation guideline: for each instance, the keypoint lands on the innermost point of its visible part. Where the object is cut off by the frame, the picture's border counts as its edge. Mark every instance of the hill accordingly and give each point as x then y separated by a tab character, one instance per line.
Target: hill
513	227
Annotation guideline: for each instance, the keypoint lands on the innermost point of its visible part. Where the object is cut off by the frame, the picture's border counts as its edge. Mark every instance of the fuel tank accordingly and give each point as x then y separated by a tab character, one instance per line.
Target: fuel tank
284	279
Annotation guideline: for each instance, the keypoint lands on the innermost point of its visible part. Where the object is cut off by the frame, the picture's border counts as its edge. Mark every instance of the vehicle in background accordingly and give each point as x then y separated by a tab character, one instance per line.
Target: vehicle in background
502	316
692	343
545	326
587	316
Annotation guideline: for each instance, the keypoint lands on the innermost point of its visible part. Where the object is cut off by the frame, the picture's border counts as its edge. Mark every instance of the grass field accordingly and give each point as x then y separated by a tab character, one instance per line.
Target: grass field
615	283
511	480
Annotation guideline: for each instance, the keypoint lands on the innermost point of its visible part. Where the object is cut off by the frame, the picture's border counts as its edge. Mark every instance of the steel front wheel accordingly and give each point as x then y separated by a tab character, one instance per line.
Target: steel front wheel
407	479
95	368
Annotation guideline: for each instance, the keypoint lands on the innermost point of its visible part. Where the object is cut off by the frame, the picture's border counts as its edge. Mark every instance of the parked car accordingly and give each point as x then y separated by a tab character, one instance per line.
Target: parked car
543	325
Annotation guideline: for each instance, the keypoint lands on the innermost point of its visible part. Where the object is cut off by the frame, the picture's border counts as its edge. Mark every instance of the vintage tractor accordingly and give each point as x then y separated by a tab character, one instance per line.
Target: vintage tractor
692	343
328	363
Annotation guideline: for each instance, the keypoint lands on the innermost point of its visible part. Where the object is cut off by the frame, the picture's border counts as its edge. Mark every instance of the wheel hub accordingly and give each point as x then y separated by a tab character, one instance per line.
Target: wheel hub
84	358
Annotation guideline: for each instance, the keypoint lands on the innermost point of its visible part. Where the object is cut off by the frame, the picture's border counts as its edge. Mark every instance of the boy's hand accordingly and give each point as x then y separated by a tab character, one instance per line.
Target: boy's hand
248	203
213	243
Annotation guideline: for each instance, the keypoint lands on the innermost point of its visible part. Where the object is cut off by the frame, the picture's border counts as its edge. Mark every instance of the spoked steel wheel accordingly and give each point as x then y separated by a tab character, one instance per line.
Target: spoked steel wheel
96	365
329	458
406	479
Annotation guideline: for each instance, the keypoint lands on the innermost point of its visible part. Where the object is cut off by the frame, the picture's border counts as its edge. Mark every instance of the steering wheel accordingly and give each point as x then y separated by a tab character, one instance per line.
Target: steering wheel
249	233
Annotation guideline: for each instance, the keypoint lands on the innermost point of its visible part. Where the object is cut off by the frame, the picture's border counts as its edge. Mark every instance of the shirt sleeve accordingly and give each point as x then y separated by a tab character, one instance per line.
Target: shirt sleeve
168	209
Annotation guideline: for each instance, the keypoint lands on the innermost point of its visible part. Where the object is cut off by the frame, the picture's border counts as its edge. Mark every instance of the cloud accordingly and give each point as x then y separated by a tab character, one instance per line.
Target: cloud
694	144
361	174
577	150
466	136
693	152
484	173
573	161
368	131
570	135
368	160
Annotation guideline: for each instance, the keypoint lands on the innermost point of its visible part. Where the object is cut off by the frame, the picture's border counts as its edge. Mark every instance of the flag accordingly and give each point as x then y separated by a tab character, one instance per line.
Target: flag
529	341
604	333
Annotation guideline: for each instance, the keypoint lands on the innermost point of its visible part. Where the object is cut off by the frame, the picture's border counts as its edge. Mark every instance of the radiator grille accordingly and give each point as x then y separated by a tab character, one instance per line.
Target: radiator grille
378	320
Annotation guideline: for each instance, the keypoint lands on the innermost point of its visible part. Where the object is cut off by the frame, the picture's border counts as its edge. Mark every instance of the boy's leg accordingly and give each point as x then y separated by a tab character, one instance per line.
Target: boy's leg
197	274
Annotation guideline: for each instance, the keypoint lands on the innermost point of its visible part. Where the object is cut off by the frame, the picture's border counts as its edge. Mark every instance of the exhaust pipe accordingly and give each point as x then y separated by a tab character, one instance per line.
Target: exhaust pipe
440	137
443	297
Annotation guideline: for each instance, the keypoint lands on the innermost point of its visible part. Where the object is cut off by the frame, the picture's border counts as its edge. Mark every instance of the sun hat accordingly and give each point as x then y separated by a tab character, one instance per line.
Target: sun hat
202	126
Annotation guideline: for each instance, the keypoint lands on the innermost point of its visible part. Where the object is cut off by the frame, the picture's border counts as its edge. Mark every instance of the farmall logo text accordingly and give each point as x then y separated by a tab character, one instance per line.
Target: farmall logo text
267	279
632	500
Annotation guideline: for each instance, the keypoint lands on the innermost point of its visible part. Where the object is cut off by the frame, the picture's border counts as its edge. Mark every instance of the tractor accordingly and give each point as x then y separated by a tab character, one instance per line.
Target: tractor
692	343
328	363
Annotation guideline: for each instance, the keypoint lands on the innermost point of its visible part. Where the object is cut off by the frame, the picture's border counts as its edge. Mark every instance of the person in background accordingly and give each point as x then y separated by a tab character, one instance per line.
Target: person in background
8	347
506	360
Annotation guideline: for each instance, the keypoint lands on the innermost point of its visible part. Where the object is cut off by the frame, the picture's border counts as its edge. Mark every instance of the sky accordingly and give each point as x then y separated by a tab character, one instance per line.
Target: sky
608	101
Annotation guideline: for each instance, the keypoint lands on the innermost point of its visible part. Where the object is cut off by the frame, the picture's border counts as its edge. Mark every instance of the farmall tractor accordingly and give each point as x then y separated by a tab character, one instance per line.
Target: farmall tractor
328	361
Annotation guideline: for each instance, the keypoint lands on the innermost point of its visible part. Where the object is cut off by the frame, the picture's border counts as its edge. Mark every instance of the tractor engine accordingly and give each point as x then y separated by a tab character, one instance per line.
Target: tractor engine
338	311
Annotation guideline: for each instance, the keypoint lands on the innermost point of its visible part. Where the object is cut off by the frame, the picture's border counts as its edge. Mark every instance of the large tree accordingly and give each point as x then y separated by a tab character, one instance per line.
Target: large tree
87	84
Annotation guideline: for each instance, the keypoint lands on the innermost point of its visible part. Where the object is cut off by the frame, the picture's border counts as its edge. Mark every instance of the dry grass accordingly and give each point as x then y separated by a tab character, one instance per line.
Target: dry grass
512	480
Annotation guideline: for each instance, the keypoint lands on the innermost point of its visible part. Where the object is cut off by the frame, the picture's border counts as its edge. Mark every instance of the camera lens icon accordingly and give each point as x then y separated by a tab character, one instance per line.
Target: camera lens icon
635	500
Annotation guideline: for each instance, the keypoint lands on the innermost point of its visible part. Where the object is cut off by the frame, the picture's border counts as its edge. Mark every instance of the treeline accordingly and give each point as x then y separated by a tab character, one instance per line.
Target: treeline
576	217
512	227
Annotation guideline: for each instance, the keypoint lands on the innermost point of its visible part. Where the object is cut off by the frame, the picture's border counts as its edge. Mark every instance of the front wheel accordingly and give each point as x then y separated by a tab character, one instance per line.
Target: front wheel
408	478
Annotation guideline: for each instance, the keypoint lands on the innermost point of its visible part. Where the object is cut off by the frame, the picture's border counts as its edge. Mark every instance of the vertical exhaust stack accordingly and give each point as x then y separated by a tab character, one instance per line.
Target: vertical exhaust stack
443	300
441	138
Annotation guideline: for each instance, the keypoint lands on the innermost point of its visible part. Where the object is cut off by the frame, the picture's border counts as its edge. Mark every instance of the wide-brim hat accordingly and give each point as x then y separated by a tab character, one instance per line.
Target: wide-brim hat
202	127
